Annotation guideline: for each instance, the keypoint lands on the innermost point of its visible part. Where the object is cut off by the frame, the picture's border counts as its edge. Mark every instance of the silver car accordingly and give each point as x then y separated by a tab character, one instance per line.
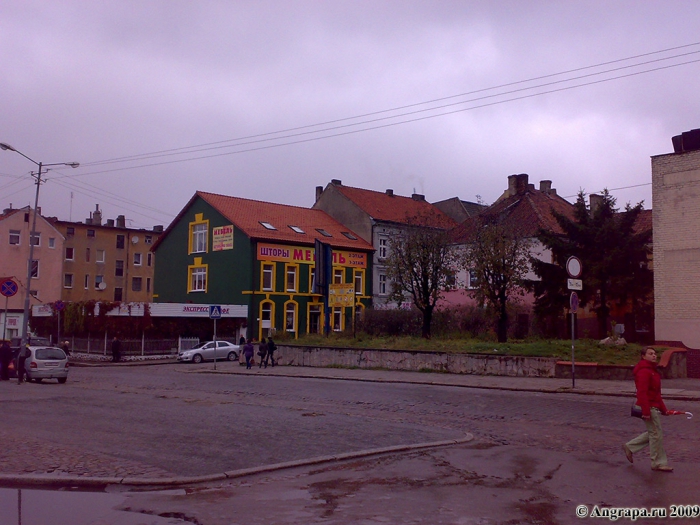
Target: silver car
46	362
207	350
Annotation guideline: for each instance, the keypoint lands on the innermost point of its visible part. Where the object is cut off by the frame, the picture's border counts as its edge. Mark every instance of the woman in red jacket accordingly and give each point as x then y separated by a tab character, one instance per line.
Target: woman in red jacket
648	382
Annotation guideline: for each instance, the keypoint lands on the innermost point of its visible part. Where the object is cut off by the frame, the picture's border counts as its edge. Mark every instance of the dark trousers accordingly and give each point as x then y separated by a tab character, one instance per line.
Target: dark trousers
269	357
247	361
21	372
5	371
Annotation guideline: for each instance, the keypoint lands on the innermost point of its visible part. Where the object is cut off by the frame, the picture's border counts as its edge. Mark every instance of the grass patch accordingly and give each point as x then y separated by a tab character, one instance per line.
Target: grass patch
586	350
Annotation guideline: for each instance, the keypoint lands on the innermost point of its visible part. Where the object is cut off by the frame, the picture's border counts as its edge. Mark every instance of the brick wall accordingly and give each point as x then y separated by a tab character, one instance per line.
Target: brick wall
676	222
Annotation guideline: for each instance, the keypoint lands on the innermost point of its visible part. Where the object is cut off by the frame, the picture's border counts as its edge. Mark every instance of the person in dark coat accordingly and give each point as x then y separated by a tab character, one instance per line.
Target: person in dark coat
66	347
271	347
248	351
241	341
262	352
116	350
648	382
5	358
21	360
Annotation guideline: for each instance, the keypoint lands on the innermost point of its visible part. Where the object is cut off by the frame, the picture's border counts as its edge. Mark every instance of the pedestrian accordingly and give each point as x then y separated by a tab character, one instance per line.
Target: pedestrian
271	347
21	360
5	358
116	350
66	347
248	351
648	382
241	341
262	352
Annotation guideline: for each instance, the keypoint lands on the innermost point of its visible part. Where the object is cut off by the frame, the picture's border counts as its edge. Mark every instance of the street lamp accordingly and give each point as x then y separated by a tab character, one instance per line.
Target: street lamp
32	232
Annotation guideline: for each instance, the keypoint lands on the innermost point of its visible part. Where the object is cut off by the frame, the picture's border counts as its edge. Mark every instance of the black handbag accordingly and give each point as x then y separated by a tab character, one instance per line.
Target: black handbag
636	411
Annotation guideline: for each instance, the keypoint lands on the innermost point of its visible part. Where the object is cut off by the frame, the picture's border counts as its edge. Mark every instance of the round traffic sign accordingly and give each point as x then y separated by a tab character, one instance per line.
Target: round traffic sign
59	305
573	267
8	288
573	302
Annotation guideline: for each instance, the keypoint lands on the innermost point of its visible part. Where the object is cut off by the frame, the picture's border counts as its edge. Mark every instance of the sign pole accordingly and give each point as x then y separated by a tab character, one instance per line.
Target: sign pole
574	268
573	366
215	349
4	324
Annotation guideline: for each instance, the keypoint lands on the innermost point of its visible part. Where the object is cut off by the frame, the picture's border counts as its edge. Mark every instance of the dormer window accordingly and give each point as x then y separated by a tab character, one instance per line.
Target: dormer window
267	225
296	229
349	236
323	232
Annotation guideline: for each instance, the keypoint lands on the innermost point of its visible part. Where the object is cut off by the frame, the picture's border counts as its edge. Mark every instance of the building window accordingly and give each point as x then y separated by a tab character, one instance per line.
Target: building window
268	277
267	225
359	277
197	276
473	280
35	269
323	232
100	256
382	284
291	283
148	285
52	242
136	284
198	234
337	319
290	317
117	294
90	233
87	281
349	236
36	238
338	275
120	242
312	279
138	258
70	254
383	245
100	282
148	239
296	229
68	280
70	230
314	319
119	268
14	236
149	259
87	254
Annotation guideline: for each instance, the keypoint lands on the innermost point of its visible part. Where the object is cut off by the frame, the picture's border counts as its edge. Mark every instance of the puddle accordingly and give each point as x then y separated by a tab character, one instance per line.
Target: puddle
49	507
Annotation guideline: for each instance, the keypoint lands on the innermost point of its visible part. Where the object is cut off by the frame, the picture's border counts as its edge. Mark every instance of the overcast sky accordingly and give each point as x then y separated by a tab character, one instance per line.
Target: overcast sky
93	81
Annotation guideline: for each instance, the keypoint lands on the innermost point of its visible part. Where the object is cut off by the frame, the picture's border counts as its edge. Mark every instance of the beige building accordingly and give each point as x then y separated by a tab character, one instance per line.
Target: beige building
676	220
15	225
106	262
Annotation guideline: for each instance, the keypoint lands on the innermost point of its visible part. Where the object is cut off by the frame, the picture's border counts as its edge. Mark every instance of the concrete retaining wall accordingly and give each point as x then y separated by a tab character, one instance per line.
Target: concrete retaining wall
477	364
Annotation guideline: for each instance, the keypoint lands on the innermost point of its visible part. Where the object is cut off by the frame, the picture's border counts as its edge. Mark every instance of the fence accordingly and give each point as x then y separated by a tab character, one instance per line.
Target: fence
132	347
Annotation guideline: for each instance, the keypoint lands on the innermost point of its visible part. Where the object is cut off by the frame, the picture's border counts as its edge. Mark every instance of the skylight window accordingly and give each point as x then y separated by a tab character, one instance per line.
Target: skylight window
349	236
323	232
267	225
296	229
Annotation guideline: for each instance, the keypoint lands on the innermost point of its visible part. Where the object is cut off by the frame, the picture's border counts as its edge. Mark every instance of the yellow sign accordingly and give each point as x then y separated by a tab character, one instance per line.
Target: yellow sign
303	254
341	295
222	238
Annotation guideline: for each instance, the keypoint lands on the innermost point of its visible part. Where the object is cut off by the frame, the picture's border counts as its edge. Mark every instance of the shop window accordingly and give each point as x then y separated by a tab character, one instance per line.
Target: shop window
290	317
337	319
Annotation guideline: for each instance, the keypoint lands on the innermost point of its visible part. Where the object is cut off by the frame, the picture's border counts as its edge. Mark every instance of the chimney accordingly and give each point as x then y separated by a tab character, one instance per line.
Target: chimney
596	201
158	228
517	184
121	221
97	216
390	192
336	182
418	197
319	191
110	223
545	186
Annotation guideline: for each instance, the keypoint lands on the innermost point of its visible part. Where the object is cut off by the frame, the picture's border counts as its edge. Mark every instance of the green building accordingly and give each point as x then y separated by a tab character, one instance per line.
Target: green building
257	259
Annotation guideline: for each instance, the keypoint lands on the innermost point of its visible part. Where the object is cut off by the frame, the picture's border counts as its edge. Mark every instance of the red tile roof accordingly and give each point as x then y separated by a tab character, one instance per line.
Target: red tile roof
395	208
524	213
247	215
643	222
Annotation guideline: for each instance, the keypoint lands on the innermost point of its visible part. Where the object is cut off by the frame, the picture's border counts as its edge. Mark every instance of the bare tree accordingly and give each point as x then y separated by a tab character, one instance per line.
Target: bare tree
421	266
499	258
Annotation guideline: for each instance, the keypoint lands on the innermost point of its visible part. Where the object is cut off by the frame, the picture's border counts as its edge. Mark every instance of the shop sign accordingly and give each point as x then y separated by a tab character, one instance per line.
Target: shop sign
222	238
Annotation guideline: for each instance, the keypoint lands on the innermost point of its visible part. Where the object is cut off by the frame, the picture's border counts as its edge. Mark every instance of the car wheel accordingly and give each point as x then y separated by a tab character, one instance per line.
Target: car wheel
62	379
232	356
196	358
37	380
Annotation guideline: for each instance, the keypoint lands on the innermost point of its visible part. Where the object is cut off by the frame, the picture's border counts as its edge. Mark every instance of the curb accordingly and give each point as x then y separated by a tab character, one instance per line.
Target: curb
92	482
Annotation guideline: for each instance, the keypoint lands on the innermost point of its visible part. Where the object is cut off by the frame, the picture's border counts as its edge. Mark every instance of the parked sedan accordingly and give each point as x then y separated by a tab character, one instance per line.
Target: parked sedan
46	362
206	351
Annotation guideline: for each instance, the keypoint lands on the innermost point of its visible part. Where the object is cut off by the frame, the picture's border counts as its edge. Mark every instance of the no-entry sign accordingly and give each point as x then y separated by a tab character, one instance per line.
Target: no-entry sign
8	288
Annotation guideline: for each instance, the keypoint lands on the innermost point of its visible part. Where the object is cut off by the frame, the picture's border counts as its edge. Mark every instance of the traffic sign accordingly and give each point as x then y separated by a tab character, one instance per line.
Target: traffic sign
573	302
8	288
574	284
59	305
214	312
573	267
